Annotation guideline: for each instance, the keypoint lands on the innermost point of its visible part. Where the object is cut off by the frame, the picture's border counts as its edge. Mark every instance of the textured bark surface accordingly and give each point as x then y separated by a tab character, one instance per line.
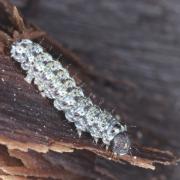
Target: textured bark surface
128	56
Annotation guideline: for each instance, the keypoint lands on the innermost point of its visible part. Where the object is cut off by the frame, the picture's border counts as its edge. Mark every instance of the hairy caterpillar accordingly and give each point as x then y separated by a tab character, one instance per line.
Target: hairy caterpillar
54	82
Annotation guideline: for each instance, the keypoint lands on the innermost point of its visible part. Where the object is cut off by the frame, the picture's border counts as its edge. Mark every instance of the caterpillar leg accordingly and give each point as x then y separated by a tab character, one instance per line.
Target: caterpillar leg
96	140
79	132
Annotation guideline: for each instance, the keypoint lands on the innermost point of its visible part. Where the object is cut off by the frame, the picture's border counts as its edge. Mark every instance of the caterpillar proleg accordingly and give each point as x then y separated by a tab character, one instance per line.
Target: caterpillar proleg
54	82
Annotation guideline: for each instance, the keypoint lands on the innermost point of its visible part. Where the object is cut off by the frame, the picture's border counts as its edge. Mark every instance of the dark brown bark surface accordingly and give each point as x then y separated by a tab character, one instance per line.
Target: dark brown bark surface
128	56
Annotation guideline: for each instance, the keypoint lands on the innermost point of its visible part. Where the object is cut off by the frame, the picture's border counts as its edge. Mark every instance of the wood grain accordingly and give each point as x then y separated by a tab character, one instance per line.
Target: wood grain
28	121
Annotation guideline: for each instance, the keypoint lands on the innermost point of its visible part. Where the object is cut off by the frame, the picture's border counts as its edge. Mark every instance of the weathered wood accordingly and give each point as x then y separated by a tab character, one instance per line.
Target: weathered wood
27	121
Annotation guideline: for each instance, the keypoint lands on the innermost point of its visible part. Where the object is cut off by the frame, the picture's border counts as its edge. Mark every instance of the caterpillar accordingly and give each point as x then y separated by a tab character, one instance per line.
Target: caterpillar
54	82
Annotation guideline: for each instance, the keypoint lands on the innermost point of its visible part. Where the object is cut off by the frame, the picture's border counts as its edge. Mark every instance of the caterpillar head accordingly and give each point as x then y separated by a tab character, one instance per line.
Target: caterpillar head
121	144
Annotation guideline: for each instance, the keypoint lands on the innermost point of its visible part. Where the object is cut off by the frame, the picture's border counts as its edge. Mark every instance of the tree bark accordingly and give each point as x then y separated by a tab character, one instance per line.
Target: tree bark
120	60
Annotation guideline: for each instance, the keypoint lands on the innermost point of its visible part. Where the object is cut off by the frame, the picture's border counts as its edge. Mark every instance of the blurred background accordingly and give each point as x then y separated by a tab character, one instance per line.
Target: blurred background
136	44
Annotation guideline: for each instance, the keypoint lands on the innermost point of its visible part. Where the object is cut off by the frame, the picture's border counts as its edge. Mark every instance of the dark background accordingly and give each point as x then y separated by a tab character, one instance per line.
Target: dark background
137	45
